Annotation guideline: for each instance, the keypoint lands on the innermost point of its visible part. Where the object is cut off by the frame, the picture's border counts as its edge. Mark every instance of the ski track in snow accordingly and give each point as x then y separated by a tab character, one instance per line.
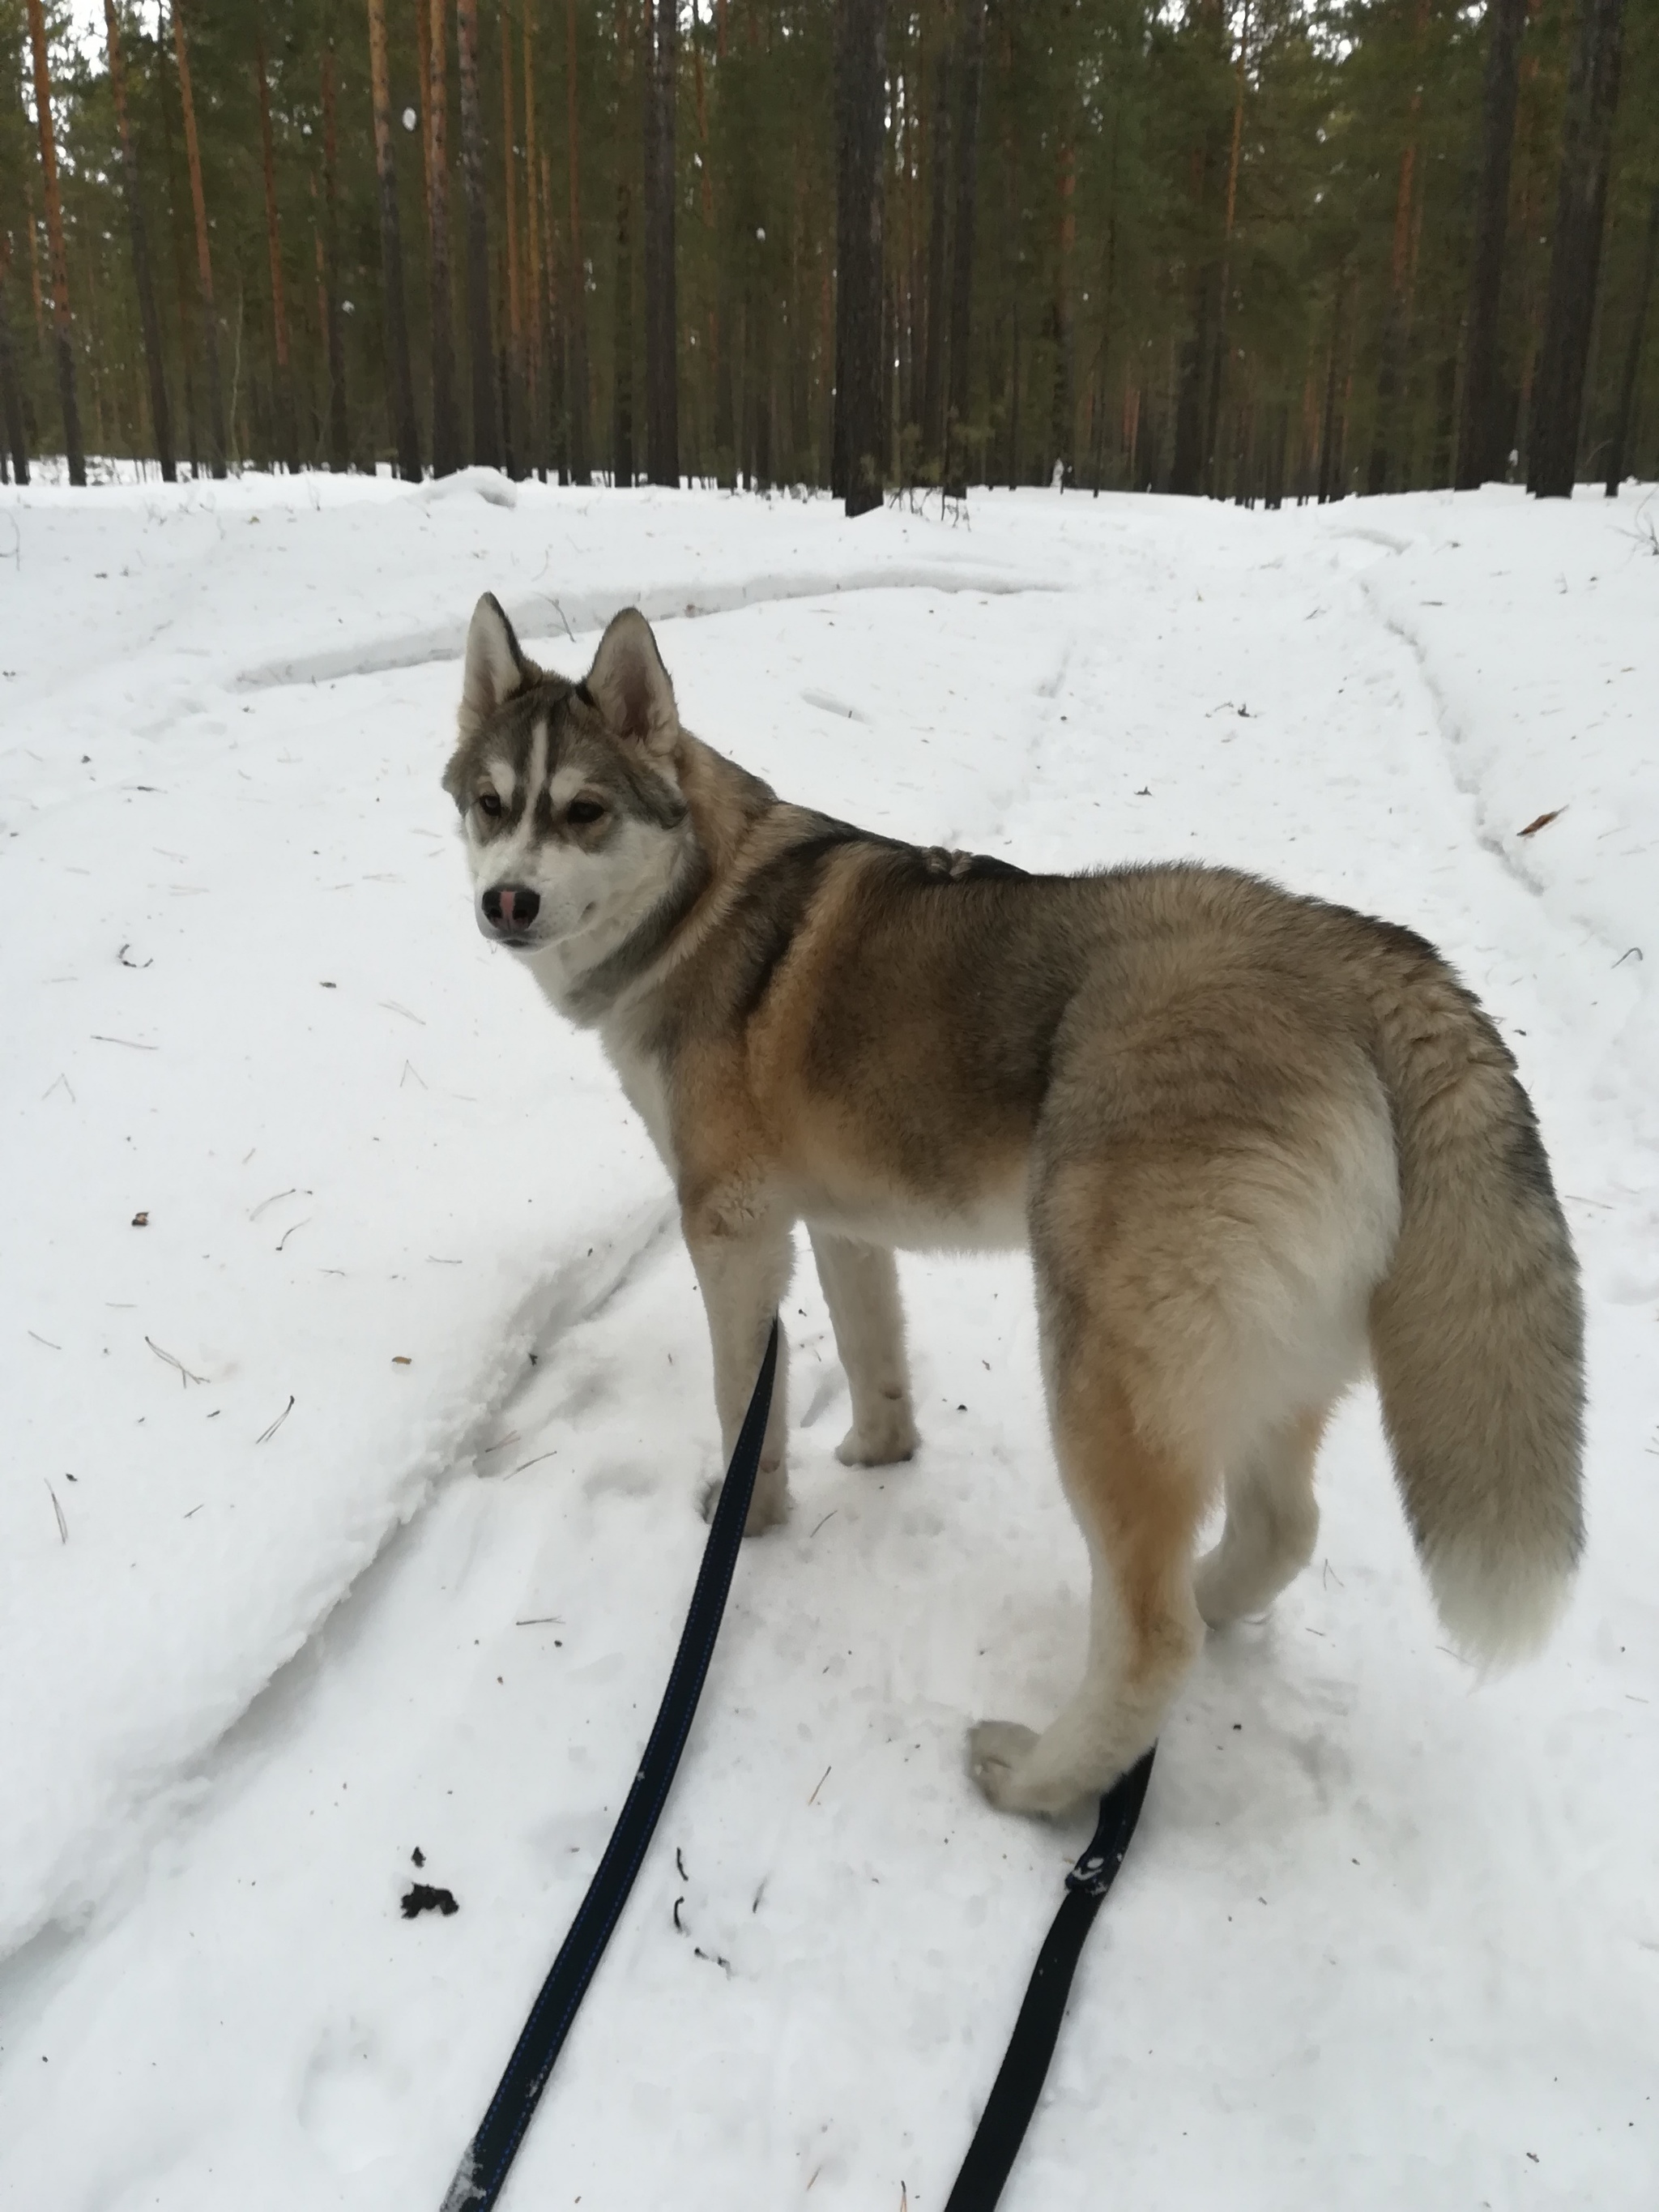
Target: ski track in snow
1377	1942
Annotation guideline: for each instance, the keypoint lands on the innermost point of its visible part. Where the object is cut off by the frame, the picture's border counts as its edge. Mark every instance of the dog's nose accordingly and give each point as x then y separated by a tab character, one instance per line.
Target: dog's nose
509	906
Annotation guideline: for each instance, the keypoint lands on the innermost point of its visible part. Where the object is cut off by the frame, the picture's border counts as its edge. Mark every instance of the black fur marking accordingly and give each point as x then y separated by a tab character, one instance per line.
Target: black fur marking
776	898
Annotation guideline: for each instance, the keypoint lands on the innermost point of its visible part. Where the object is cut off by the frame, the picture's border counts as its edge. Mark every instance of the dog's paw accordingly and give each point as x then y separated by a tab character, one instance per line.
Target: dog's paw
769	1502
999	1755
882	1441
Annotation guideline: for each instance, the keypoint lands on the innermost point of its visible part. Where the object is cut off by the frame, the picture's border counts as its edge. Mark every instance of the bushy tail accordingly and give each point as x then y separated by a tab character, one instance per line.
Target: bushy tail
1477	1331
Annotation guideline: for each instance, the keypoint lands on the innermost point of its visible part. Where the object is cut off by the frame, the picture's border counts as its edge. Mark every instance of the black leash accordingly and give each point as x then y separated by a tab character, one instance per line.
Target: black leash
484	2167
1025	2063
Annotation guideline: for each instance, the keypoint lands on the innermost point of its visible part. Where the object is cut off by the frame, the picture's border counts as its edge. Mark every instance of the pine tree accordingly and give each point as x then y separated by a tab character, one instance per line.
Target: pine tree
662	435
1576	249
446	404
486	424
160	418
287	427
339	429
400	384
63	337
1478	438
860	140
218	455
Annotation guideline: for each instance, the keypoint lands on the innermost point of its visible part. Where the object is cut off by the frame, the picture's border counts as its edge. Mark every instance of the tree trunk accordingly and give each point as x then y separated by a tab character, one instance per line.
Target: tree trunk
581	457
62	335
965	149
535	403
287	427
622	326
400	385
513	380
1391	363
558	432
860	177
938	213
662	403
11	398
1479	450
150	322
339	433
193	445
486	429
1329	462
1619	446
218	442
1557	395
446	406
1063	407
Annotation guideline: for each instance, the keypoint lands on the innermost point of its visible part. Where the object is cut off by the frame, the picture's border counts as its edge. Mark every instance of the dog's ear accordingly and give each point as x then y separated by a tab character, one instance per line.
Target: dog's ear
630	684
495	665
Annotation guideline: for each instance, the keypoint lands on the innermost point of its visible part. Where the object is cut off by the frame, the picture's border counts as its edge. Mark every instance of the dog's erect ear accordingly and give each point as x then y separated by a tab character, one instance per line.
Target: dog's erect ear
630	686
495	665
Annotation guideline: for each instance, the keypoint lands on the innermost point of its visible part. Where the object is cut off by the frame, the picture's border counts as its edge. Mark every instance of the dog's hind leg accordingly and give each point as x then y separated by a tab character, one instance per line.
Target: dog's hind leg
1271	1524
860	1287
742	1267
1138	1504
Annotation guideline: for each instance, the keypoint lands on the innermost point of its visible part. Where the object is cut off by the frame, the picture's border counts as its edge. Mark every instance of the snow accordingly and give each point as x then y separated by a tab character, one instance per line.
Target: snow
1379	1941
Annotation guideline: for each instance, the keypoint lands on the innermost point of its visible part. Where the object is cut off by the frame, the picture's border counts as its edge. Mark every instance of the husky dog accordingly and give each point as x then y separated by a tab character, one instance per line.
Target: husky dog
1253	1142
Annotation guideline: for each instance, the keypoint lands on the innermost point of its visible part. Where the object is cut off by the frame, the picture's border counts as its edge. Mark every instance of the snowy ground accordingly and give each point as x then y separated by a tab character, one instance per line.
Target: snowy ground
1382	1941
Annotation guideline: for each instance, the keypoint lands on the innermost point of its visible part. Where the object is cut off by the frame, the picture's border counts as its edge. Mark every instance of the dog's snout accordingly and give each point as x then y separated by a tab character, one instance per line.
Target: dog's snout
511	908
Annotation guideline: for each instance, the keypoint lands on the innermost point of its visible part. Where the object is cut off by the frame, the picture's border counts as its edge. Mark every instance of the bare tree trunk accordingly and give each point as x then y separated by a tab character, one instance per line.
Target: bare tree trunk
150	322
287	427
193	444
11	398
1619	446
534	407
446	407
1329	462
1392	361
400	385
339	434
486	429
662	399
622	326
1479	452
63	337
219	442
513	382
581	453
1063	408
933	353
860	177
966	149
1558	397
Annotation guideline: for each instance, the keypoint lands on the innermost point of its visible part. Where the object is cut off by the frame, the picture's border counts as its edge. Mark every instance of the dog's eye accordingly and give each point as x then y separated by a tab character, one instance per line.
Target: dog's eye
584	810
489	803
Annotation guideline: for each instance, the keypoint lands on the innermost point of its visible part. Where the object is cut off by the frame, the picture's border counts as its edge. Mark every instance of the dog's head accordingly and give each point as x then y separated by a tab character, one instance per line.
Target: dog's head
568	793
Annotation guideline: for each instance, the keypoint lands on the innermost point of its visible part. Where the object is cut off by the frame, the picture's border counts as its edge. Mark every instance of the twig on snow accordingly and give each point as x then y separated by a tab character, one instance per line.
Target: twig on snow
186	1374
265	1435
63	1525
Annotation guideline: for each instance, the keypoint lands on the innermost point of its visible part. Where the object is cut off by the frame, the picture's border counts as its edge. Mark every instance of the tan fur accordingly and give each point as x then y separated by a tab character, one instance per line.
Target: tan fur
1251	1139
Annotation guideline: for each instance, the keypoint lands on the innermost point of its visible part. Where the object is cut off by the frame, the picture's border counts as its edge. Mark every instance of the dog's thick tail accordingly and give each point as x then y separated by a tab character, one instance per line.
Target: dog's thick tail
1477	1330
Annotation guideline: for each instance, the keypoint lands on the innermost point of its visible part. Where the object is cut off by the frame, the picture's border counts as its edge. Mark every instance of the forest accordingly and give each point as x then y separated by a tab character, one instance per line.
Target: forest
1252	249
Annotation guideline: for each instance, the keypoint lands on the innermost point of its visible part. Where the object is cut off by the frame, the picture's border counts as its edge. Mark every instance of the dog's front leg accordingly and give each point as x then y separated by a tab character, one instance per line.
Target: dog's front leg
860	1287
743	1269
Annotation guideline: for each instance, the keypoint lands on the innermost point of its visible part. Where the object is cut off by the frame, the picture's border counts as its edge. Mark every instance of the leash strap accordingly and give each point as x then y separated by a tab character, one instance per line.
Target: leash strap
1025	2063
484	2168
